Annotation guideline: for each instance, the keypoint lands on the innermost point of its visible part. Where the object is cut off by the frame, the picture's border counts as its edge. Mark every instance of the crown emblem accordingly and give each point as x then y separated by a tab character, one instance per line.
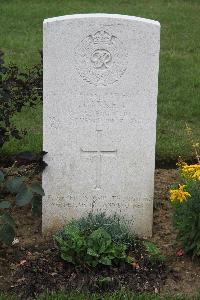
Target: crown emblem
102	37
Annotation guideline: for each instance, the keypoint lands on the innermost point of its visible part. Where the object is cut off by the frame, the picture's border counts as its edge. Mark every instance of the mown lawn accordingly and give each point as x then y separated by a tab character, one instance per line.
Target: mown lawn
119	295
179	78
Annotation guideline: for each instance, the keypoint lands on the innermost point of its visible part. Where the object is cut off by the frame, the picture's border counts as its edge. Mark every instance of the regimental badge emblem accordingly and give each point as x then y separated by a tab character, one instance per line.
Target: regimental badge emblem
101	58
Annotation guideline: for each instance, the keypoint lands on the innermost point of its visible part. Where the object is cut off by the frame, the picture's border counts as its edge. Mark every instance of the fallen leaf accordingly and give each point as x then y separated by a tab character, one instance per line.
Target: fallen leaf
22	263
135	265
179	253
21	280
15	241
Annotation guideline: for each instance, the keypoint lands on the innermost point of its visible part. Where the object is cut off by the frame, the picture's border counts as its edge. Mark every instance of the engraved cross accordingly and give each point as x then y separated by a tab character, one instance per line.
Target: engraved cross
99	153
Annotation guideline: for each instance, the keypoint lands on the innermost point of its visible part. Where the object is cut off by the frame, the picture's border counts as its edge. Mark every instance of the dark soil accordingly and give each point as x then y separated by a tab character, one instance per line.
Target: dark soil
44	270
33	265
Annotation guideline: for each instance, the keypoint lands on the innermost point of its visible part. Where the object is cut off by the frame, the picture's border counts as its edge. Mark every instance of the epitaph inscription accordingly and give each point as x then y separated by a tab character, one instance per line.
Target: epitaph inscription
101	58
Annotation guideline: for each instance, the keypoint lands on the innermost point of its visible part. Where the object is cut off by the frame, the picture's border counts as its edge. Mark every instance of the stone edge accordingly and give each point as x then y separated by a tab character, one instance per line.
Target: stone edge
101	15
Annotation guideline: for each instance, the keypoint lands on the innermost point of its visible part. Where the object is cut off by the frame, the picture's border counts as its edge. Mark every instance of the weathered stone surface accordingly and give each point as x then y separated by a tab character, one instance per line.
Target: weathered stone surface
100	106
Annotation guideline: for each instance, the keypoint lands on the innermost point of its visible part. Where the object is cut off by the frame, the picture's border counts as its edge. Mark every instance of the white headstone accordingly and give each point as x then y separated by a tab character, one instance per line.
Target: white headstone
100	106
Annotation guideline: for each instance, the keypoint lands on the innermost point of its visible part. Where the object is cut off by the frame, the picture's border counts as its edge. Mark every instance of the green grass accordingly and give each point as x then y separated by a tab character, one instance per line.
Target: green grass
119	295
4	297
179	78
31	120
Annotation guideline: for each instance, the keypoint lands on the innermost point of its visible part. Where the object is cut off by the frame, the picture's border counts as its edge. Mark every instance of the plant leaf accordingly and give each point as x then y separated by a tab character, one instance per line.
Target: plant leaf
67	257
15	184
6	218
1	176
105	261
105	280
37	188
24	197
99	240
92	252
5	204
36	205
7	234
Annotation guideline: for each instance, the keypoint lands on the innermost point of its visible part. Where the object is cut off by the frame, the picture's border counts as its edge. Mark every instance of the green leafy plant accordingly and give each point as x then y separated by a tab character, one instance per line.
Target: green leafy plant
71	243
186	219
90	246
116	227
16	190
17	90
101	249
185	201
153	252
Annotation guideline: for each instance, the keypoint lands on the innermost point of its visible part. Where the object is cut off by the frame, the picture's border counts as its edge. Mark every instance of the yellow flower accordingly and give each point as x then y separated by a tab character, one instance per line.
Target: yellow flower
191	172
179	194
196	175
180	162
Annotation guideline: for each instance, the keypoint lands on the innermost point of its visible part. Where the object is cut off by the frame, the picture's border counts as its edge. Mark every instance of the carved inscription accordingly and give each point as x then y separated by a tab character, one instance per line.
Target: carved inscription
108	202
101	58
98	153
104	108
